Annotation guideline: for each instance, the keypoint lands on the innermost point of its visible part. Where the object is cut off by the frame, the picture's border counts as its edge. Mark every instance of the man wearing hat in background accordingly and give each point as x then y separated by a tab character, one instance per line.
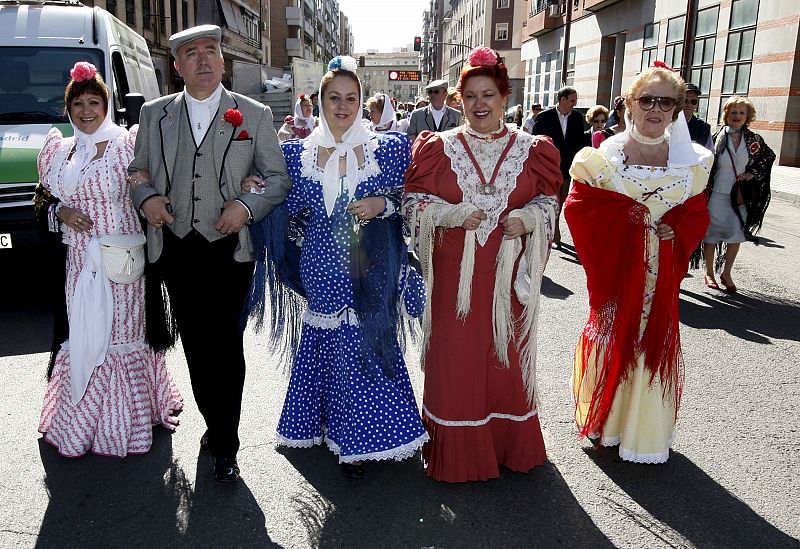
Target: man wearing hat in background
436	117
193	151
699	130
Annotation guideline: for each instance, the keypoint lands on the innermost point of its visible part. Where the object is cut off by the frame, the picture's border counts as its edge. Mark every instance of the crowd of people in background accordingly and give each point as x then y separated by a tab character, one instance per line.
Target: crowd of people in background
361	219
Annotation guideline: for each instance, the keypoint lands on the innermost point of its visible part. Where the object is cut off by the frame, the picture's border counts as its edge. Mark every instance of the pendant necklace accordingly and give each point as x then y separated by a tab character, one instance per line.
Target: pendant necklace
487	188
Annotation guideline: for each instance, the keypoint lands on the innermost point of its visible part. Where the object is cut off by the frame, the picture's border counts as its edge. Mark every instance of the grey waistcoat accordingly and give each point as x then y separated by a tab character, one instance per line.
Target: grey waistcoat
195	195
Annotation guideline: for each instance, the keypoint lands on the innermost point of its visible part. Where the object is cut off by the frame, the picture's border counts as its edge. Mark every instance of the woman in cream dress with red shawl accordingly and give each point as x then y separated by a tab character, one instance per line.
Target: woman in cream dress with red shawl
636	213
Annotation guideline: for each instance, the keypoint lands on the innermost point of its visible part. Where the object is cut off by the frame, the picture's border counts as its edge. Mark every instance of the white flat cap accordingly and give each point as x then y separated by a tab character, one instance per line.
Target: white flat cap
195	33
437	84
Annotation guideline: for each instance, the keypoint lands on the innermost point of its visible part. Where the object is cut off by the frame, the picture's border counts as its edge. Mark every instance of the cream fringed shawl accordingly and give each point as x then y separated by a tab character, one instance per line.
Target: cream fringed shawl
426	213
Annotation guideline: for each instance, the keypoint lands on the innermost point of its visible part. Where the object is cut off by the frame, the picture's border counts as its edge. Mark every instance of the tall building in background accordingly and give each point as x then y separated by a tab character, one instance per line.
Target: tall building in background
469	23
242	21
726	47
346	38
431	52
374	74
308	29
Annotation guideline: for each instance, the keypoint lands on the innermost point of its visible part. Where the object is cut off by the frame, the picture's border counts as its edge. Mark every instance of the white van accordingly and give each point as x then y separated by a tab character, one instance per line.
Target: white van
39	43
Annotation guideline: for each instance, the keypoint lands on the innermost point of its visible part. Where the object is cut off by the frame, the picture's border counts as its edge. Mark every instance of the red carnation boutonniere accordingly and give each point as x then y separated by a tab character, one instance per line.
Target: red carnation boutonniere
233	117
755	146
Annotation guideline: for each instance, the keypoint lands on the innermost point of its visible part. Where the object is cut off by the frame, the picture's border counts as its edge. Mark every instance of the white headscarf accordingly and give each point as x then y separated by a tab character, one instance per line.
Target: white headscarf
388	119
356	136
86	150
299	120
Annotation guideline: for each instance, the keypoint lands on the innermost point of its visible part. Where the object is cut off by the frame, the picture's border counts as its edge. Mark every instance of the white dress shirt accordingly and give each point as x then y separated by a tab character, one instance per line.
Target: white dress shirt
563	119
201	112
437	115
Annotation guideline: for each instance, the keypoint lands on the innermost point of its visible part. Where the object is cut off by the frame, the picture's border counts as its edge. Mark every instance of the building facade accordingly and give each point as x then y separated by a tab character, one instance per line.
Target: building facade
374	74
308	29
346	39
726	47
244	29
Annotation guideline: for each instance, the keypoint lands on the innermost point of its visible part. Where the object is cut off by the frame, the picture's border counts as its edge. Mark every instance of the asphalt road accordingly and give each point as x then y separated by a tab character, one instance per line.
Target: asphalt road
732	480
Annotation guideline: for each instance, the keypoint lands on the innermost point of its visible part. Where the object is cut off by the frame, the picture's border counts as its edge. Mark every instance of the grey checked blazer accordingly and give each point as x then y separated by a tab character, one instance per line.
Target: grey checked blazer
157	152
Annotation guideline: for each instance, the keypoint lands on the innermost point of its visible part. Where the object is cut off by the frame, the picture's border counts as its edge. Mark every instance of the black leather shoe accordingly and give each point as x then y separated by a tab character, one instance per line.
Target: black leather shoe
352	470
204	446
226	469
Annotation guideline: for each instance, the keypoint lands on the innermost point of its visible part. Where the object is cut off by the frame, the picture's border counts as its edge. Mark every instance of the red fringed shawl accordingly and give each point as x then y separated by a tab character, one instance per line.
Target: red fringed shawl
609	230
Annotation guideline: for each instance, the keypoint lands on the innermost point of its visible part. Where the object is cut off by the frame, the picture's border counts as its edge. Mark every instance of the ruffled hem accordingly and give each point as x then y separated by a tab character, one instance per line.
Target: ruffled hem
466	453
398	453
634	456
127	395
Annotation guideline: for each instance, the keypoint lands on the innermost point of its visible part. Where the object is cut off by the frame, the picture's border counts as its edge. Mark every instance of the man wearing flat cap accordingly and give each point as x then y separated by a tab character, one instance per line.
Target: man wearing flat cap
436	117
193	151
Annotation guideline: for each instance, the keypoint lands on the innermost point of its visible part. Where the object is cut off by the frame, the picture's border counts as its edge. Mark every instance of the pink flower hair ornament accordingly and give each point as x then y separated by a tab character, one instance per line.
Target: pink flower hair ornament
82	71
482	57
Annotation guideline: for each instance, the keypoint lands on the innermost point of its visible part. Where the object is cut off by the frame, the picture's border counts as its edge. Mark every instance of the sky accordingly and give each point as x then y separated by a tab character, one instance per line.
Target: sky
384	24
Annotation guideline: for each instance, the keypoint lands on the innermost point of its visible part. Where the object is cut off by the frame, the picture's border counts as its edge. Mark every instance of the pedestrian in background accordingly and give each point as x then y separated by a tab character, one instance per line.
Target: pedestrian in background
349	385
301	123
700	130
615	124
481	200
738	191
108	387
381	114
518	116
636	213
315	102
564	126
453	101
193	151
527	124
436	116
596	117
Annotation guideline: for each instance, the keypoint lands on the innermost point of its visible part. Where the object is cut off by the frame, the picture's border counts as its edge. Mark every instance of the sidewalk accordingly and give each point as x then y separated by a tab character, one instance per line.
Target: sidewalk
785	183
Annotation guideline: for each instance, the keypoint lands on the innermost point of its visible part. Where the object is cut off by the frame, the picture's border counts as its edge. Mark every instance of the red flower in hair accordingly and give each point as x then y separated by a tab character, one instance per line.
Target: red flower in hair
482	57
662	65
82	71
302	97
233	117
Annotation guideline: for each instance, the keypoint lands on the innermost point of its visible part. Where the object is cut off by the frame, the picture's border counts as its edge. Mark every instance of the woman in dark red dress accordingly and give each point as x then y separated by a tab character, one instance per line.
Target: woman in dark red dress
481	201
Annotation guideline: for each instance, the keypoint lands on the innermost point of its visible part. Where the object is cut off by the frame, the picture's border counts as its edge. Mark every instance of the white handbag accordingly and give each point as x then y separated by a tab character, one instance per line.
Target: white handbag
123	256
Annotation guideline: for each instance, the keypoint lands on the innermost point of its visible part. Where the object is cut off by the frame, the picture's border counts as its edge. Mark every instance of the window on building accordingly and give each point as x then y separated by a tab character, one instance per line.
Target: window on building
130	13
251	26
703	55
501	31
571	67
674	50
501	4
147	14
111	7
558	66
650	44
184	14
739	51
173	15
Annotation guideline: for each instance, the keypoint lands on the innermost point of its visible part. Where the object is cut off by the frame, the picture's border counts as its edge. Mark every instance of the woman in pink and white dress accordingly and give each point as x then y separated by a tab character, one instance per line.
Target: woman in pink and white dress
108	387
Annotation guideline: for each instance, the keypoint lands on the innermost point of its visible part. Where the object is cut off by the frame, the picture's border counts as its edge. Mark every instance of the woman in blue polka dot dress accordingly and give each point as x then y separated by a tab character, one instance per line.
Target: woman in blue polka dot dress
338	244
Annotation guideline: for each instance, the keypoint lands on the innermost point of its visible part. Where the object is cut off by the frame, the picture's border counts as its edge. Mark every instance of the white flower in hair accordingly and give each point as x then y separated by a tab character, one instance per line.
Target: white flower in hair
344	62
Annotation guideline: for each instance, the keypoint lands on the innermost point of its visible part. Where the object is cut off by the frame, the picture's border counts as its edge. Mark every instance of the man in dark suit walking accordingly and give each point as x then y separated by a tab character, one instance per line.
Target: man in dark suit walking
564	126
193	151
436	117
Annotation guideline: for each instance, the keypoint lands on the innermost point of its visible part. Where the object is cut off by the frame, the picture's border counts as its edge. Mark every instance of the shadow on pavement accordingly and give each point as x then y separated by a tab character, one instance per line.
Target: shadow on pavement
747	315
27	328
144	501
554	291
683	497
396	505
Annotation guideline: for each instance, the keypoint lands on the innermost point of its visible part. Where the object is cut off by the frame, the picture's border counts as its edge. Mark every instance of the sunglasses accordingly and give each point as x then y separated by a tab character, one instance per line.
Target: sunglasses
692	101
599	121
434	92
647	102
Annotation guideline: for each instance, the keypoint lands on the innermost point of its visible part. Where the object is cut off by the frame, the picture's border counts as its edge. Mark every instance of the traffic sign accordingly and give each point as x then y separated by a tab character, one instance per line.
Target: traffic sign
405	76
